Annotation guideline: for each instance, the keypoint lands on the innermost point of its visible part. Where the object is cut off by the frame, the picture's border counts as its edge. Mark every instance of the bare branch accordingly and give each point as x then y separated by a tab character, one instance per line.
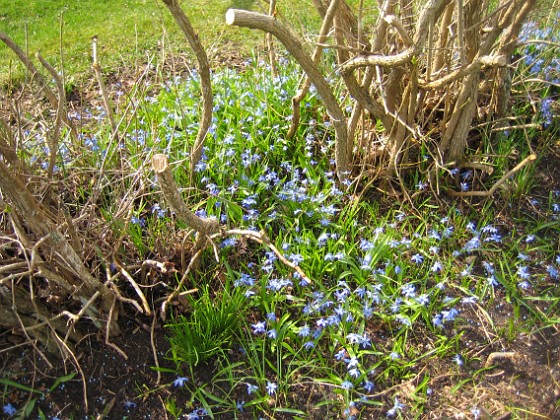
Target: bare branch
531	158
54	136
428	14
204	70
304	88
244	18
173	197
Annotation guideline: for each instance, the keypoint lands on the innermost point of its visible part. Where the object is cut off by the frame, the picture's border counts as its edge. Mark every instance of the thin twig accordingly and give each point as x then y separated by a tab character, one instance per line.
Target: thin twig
531	158
181	283
262	239
136	288
154	350
108	330
75	318
103	90
205	79
54	136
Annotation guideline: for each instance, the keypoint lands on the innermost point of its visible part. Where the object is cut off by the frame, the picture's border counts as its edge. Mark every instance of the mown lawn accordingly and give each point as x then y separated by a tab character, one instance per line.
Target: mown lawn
130	32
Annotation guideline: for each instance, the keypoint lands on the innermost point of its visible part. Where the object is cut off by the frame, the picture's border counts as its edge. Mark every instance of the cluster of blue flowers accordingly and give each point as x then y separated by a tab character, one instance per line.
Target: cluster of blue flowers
541	56
395	273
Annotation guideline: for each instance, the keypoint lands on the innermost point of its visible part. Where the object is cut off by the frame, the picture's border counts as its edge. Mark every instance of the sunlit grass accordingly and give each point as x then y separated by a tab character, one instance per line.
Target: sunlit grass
130	33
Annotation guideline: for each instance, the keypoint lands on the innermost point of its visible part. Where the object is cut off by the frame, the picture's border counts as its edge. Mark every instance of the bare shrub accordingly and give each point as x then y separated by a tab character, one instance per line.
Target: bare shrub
426	71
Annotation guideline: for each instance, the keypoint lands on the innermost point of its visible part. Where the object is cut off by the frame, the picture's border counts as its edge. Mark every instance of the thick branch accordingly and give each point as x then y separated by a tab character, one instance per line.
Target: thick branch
476	65
204	71
304	88
429	14
266	23
173	197
35	74
83	283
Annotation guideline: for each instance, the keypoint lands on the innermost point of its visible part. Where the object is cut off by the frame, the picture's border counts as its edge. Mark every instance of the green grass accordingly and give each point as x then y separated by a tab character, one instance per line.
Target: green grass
130	32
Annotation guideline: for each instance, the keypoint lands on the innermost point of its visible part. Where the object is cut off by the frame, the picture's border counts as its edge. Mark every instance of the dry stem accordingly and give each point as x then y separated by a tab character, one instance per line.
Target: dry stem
531	158
244	18
204	70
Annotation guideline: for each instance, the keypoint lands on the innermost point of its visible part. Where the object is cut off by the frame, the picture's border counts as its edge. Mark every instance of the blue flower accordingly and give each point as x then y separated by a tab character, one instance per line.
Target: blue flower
352	362
436	267
309	345
180	381
449	315
366	245
9	409
240	405
197	414
409	290
251	388
259	327
295	258
368	386
437	321
546	111
367	311
304	331
339	355
491	281
271	387
469	300
396	408
423	299
228	242
417	258
523	272
347	385
524	285
137	221
458	360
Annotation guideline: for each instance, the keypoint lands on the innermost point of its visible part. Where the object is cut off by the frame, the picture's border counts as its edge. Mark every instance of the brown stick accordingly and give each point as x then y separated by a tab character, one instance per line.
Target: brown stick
428	14
270	42
54	136
204	71
263	239
193	262
81	281
304	87
173	197
35	74
244	18
97	70
491	191
51	97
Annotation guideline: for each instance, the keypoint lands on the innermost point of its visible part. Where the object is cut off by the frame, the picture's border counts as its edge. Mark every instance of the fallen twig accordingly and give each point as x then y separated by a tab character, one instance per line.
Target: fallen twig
531	158
194	258
263	239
